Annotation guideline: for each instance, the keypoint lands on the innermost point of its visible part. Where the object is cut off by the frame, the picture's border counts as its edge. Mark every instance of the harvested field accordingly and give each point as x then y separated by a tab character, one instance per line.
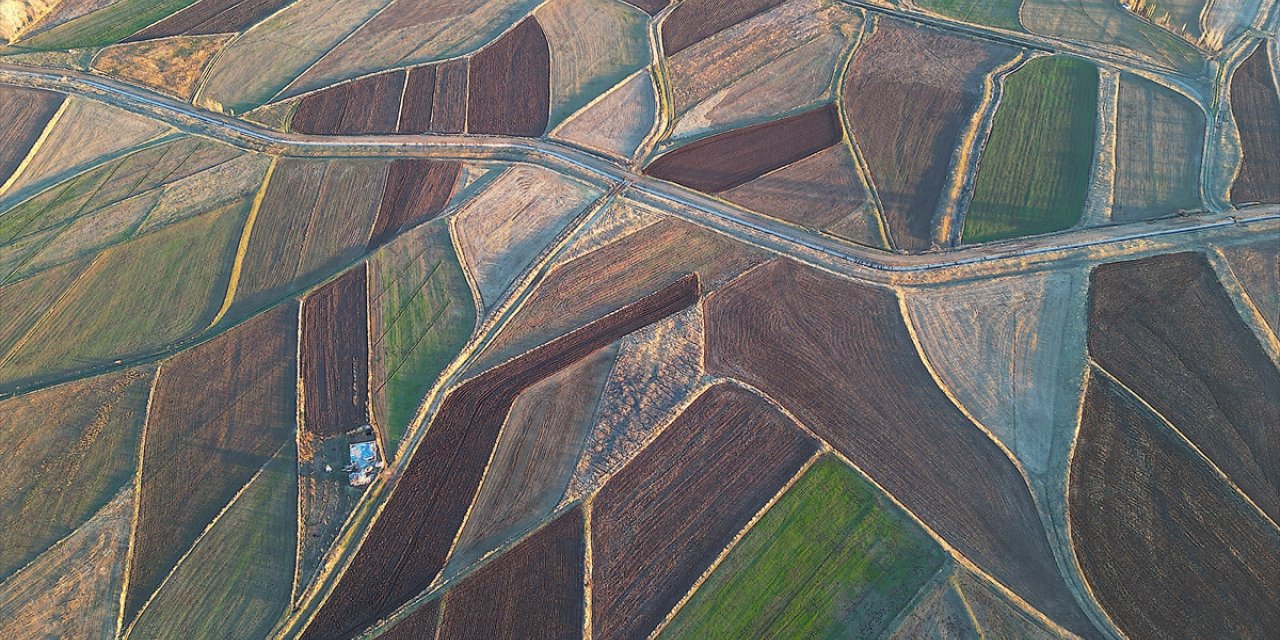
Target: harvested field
1159	143
832	558
1034	175
417	190
1199	561
135	299
334	357
531	592
420	624
815	193
503	230
1256	107
170	65
614	275
934	80
1257	267
218	412
710	471
26	301
72	147
994	613
18	16
27	111
1106	23
594	45
509	91
112	23
1165	328
207	17
534	457
235	583
1012	351
367	106
727	160
73	590
1179	17
940	615
851	373
314	219
778	63
86	235
406	546
71	447
1229	18
1002	14
421	314
618	123
657	368
435	99
231	184
696	20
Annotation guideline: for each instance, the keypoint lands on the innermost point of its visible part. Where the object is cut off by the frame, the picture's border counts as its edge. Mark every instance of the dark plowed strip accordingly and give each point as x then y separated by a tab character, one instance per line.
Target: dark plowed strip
435	99
419	96
510	92
659	523
407	545
838	355
335	356
1256	107
26	112
650	7
217	413
370	105
531	592
416	192
695	20
420	625
1166	329
211	16
737	157
1169	549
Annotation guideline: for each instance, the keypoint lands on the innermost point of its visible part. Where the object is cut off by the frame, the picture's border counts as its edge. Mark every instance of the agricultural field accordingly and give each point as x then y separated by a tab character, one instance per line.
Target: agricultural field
405	319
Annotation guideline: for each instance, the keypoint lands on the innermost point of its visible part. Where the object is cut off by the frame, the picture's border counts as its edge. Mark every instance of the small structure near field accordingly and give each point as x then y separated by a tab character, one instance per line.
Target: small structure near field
365	459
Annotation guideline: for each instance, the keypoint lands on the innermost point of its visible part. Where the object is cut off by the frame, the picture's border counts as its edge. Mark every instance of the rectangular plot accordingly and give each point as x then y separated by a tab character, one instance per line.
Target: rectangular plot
1256	107
709	472
509	92
435	99
365	106
207	17
335	356
1159	142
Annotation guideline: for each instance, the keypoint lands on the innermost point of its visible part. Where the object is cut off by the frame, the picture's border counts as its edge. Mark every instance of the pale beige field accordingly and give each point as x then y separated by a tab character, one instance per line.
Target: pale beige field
618	123
168	65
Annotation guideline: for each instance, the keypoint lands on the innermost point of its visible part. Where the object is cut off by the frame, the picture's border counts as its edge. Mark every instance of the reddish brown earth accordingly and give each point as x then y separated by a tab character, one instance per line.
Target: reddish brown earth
335	355
435	99
1166	329
417	191
366	106
1168	548
909	94
218	412
208	17
696	20
1256	107
532	592
510	84
407	545
26	112
420	625
838	355
729	159
660	522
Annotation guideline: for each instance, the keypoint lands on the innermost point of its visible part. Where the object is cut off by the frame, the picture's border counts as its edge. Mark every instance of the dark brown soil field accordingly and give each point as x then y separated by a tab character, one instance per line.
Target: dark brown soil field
218	412
510	84
1168	548
435	99
26	112
816	192
416	191
420	625
1165	328
695	20
660	522
931	82
1256	107
406	546
335	355
208	17
729	159
604	280
650	7
367	106
533	591
838	355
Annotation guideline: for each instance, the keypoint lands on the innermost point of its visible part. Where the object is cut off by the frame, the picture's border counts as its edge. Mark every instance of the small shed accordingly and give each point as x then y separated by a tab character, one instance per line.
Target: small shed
365	459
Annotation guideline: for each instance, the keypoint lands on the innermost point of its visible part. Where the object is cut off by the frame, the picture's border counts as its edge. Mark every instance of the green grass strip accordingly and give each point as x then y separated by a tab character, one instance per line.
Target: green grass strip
1002	14
108	25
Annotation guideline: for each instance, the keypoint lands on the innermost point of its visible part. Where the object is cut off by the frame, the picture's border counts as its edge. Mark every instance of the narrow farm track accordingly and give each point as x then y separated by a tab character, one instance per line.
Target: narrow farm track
822	251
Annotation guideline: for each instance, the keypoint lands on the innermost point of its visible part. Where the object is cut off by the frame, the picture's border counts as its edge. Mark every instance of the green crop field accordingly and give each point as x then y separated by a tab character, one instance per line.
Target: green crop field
995	13
830	560
1034	175
108	25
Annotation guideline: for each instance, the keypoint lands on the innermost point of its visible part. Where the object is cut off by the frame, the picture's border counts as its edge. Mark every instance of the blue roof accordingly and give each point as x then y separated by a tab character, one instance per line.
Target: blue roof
364	454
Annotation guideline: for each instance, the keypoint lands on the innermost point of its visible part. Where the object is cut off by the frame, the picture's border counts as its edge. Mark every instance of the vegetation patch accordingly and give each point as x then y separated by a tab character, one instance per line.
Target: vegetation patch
1159	143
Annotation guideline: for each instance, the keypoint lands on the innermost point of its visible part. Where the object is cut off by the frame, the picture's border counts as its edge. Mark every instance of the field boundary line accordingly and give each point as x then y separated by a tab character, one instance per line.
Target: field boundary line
663	117
35	146
1244	304
940	578
861	166
588	567
1100	197
735	540
968	608
299	428
237	265
137	505
1181	437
